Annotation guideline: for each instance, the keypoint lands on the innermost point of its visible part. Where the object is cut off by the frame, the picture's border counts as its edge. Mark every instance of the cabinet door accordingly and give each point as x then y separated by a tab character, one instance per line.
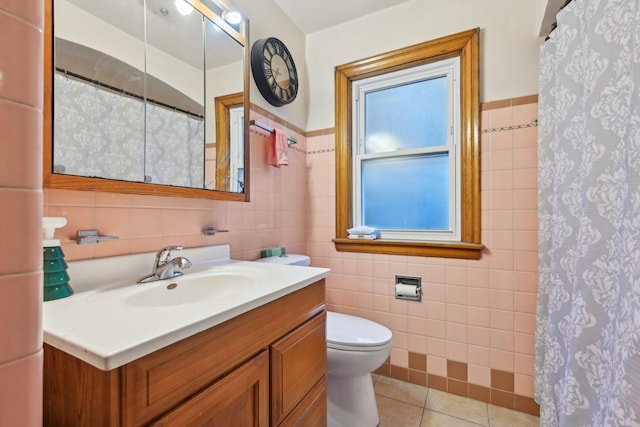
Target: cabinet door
298	363
312	411
239	399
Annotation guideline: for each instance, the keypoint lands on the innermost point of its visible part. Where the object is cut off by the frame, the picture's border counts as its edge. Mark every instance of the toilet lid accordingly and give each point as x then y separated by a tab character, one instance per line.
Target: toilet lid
351	331
288	259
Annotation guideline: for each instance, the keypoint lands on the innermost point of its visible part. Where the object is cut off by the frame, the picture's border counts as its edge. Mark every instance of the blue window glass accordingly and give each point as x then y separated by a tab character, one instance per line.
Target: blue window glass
406	193
412	115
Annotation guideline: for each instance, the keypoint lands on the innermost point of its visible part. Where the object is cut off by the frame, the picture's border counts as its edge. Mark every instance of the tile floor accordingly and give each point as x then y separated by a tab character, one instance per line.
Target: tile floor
402	404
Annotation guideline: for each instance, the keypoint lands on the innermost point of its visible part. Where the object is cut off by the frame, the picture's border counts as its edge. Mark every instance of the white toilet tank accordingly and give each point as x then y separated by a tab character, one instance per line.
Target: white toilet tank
289	259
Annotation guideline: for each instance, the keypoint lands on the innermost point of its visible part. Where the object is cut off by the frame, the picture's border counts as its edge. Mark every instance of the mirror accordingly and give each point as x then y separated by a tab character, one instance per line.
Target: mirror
147	109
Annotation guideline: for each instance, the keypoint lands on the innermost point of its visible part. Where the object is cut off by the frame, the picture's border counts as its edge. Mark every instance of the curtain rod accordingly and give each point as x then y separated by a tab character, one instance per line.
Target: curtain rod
290	140
126	93
549	22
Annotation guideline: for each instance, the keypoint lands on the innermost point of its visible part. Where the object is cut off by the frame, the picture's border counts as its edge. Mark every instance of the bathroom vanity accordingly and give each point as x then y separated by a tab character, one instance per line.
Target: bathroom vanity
262	366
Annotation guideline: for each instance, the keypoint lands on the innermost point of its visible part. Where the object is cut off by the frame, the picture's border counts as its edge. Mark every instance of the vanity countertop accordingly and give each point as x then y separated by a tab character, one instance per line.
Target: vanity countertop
97	326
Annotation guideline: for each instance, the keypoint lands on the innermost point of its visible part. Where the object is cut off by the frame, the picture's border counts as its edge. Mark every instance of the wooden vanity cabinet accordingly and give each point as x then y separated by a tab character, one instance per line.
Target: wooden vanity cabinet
264	367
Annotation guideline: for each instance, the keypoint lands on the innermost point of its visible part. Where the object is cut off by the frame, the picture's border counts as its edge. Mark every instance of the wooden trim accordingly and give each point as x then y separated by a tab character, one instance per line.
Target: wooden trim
344	184
509	102
466	45
70	182
470	120
321	132
493	105
271	116
459	250
223	134
523	100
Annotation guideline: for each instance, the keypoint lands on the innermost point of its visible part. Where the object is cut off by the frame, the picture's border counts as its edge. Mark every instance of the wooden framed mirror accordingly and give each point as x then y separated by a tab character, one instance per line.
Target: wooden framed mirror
130	96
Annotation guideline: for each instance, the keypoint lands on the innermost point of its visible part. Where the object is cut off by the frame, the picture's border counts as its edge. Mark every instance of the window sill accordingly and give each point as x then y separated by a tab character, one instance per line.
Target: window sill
458	250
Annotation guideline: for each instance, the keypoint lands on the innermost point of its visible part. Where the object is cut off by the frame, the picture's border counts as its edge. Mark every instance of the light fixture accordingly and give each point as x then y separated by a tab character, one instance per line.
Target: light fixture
183	7
232	17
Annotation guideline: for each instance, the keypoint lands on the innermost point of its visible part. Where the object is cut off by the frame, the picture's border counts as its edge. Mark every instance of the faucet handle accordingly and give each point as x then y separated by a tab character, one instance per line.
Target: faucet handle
164	254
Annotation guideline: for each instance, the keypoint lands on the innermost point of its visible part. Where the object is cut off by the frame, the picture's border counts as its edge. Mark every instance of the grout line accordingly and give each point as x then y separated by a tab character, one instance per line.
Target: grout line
424	407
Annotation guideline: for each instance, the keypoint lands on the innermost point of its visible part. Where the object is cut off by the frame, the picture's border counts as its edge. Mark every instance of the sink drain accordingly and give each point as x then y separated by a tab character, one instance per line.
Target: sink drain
172	286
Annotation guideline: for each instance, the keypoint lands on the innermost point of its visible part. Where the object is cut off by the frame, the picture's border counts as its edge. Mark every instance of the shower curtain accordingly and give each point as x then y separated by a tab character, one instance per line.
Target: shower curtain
108	135
587	370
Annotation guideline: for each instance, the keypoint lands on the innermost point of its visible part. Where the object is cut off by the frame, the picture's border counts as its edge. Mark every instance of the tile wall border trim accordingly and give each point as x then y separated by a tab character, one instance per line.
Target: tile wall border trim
509	102
533	124
269	115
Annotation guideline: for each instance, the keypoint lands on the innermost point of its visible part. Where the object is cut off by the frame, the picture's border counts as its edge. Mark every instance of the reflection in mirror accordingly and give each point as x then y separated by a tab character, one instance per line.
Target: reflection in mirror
228	158
141	110
224	94
98	105
174	140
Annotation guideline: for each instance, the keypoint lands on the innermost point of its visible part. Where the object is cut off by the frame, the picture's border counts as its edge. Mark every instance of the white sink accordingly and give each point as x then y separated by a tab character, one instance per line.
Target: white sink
200	287
192	289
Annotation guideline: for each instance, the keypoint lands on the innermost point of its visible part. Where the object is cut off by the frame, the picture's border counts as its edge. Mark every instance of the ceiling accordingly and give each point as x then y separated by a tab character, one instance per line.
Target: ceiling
315	15
173	31
167	29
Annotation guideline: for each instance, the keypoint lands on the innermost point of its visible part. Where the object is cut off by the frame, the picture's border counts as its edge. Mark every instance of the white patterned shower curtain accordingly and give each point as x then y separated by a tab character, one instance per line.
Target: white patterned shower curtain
105	134
587	369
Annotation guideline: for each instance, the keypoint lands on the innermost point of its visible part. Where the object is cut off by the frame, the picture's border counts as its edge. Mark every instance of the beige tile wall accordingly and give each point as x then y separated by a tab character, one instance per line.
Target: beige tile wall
480	313
21	44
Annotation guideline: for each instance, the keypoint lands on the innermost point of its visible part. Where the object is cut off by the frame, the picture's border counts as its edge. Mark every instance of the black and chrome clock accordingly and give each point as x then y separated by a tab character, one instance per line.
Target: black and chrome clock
274	71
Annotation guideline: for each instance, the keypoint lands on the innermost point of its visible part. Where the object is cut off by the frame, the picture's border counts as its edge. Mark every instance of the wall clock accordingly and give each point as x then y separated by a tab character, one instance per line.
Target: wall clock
274	71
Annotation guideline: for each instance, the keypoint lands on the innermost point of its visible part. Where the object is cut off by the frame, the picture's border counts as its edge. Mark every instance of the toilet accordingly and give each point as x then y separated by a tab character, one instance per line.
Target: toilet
355	348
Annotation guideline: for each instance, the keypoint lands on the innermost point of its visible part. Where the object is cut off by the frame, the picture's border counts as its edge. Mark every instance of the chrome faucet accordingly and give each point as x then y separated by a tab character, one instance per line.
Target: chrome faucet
164	267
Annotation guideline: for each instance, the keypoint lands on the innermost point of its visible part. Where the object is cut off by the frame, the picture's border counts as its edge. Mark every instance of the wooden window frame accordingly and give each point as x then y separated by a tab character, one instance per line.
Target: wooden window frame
223	105
465	45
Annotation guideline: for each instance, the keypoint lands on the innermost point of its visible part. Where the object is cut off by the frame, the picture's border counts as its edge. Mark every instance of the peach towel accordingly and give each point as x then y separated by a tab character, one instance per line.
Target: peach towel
277	150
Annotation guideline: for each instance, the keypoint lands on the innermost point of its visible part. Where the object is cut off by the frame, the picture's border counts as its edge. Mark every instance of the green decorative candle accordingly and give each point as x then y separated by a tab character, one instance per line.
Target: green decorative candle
56	278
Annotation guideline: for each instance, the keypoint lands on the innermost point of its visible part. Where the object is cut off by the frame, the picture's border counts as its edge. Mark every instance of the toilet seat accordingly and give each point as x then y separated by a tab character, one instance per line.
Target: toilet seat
351	333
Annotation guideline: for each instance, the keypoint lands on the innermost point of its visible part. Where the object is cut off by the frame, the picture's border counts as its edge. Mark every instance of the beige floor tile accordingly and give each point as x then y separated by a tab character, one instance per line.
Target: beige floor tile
436	419
503	417
394	413
460	407
400	390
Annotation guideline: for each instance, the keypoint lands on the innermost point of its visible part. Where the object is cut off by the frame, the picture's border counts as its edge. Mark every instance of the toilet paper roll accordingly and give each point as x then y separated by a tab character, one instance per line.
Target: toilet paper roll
403	290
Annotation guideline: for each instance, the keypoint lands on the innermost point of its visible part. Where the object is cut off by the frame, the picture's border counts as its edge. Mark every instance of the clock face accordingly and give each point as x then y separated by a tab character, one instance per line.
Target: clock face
274	71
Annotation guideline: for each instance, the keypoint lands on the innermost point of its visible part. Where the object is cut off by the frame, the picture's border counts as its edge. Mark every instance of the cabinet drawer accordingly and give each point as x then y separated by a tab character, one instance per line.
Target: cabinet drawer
239	399
298	363
312	411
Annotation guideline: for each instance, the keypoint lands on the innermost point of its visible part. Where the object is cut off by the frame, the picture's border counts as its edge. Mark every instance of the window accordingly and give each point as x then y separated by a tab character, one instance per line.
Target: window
407	158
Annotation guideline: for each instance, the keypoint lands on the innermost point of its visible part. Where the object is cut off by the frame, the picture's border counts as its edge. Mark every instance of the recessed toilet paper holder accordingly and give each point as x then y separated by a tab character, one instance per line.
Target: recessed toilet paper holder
409	288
